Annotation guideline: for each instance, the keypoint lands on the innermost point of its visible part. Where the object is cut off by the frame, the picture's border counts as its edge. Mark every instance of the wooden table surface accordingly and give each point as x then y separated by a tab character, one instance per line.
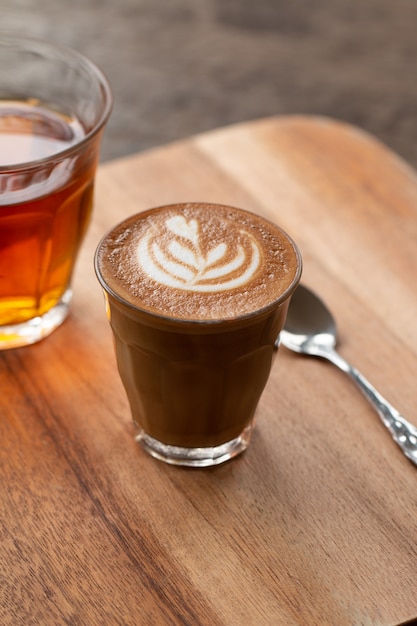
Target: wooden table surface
317	522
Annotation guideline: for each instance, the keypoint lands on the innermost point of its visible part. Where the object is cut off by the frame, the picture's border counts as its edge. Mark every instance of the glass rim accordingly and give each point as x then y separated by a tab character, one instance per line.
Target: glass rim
196	322
6	40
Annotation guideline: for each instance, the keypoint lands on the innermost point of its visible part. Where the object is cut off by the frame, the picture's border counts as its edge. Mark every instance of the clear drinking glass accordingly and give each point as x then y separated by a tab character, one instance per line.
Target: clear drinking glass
193	369
54	104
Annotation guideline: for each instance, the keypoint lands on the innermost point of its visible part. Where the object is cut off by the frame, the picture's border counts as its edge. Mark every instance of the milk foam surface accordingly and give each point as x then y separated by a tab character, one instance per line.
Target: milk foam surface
198	261
172	253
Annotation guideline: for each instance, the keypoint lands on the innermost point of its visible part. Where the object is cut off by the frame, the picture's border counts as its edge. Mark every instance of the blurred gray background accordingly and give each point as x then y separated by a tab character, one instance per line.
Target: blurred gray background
178	67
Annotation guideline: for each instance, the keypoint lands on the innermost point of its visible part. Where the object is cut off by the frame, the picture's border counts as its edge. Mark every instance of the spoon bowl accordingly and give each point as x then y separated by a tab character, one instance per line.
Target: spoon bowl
310	329
310	325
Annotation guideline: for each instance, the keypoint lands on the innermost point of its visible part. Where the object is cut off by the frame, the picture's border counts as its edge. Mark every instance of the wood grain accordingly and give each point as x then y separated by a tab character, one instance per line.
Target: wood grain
317	522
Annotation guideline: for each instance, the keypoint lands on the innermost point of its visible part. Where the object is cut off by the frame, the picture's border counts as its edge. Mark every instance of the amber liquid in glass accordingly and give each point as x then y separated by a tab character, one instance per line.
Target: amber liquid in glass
44	210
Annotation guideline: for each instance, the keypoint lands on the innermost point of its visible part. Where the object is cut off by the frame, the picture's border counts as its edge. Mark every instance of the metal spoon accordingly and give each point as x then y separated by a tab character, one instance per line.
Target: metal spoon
311	329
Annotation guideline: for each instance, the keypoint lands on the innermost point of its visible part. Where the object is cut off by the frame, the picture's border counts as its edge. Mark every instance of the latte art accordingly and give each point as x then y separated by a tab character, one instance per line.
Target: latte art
176	258
198	262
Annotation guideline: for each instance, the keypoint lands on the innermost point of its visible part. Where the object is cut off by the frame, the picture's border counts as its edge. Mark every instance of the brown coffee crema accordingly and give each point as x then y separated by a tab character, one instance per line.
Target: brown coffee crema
198	261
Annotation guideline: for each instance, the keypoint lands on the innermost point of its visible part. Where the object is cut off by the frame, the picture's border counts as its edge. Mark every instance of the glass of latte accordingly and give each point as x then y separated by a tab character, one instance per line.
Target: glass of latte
196	295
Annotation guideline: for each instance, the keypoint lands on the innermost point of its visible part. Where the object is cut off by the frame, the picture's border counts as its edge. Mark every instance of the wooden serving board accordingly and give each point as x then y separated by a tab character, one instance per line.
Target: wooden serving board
316	524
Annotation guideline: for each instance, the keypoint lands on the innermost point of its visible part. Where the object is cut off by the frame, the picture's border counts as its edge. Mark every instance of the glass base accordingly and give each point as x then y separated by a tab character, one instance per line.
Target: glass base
194	457
26	333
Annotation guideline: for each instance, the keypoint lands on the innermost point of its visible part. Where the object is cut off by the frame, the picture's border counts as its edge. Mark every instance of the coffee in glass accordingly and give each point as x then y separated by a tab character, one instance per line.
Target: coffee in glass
196	296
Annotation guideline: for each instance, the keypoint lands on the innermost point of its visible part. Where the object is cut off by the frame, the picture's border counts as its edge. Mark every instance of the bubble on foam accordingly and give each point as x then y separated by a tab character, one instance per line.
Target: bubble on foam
176	259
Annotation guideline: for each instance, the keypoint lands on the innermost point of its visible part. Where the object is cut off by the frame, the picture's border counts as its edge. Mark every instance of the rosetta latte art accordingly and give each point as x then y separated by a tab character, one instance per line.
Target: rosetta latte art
177	260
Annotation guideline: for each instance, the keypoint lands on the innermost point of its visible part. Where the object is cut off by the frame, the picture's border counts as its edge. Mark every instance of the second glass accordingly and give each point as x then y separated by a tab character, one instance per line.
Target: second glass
54	104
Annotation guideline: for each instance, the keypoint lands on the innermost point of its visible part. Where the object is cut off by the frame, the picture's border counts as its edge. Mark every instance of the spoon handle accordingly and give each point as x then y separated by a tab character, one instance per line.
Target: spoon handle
403	433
